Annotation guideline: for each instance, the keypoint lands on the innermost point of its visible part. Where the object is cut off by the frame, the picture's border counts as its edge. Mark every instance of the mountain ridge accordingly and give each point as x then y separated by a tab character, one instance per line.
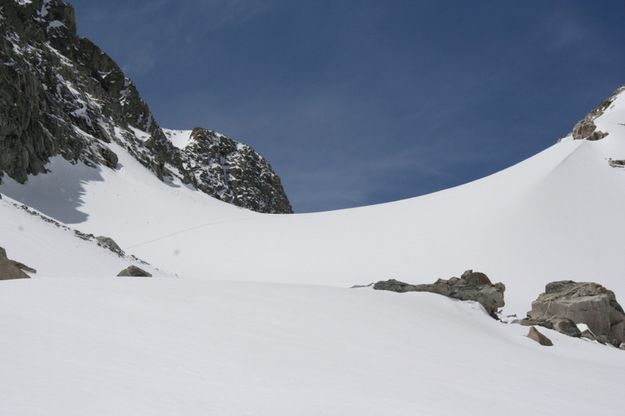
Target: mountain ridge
60	94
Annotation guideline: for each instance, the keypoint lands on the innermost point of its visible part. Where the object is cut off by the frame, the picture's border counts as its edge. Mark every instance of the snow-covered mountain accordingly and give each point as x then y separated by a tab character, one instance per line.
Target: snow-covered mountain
61	95
250	313
229	333
541	220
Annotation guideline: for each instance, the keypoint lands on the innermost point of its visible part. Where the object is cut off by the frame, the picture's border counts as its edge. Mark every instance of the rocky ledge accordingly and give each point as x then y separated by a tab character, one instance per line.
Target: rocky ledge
470	285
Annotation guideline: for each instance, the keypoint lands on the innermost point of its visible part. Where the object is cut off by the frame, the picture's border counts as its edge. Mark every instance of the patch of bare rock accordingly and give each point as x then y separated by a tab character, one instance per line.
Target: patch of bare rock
134	271
535	335
470	285
11	269
586	129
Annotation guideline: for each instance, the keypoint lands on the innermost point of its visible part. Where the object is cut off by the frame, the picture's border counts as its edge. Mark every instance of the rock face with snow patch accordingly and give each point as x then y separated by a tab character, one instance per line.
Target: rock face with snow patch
233	172
566	303
471	285
61	95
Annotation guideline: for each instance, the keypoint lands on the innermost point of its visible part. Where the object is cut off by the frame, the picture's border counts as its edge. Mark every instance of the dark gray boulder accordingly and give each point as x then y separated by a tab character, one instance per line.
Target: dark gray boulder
134	271
10	269
564	304
471	285
533	334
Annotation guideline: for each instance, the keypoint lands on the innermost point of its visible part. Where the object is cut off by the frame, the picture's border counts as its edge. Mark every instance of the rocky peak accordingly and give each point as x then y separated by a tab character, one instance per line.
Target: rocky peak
62	95
233	171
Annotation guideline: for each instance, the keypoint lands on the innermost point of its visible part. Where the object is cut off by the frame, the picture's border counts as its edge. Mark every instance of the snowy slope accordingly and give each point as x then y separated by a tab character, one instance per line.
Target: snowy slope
557	215
251	314
55	251
214	342
188	347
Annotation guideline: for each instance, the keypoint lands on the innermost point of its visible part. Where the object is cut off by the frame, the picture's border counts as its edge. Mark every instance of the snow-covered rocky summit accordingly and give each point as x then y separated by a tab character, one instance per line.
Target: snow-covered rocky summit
61	95
229	170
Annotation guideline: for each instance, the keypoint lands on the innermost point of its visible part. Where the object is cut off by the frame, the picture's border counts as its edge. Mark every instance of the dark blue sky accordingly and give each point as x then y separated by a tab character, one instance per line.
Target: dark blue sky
360	102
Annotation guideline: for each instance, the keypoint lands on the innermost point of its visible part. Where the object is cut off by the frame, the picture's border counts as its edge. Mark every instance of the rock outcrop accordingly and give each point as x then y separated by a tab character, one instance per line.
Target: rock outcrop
62	95
10	269
233	172
565	304
534	335
471	285
134	271
616	163
110	244
585	129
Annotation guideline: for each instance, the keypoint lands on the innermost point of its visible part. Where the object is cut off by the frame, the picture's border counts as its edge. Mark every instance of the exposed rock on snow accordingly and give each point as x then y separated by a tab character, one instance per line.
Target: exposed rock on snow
110	244
616	163
564	304
533	334
134	271
471	285
565	326
362	286
586	129
10	269
61	95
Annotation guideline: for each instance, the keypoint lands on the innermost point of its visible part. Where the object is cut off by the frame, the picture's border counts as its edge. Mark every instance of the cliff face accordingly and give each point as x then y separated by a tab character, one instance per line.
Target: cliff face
61	95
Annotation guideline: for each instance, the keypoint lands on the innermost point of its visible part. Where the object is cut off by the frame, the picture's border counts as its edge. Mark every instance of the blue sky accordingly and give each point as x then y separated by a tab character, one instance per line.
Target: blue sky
361	102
